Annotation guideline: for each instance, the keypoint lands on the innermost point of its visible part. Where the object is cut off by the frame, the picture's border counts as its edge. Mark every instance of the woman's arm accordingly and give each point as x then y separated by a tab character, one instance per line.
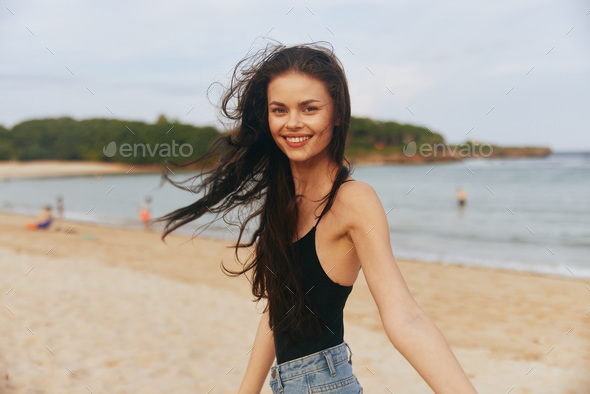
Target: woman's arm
261	358
407	326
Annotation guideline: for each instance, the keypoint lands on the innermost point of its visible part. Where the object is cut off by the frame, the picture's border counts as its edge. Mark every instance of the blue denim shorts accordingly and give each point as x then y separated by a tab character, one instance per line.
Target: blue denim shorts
329	370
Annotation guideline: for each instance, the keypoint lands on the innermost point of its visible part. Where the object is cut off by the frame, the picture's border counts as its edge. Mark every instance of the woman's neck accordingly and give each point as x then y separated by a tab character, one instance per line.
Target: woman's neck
314	178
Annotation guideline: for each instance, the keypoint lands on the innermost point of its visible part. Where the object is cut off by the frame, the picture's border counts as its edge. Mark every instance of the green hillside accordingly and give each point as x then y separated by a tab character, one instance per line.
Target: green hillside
114	140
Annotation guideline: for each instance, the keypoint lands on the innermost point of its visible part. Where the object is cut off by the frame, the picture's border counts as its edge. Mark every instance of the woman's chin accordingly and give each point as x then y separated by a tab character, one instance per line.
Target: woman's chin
301	158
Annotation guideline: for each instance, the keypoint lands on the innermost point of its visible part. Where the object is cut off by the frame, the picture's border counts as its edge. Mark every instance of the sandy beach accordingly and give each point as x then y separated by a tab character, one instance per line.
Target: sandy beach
89	308
48	168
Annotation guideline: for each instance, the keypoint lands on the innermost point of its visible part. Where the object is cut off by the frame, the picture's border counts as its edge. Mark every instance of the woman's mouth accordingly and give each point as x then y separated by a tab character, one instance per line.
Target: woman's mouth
296	142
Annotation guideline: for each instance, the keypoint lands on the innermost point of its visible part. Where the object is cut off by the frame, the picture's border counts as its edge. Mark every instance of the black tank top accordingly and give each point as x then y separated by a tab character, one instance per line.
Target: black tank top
327	296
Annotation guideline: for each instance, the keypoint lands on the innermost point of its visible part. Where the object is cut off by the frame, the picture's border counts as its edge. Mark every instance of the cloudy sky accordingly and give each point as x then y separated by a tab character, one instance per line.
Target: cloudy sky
507	72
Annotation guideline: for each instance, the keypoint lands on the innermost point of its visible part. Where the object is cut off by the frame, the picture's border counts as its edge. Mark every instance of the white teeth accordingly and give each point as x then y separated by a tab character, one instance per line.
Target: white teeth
297	139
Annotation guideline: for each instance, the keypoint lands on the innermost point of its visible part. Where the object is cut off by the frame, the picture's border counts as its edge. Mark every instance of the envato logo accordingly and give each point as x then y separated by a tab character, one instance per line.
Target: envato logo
444	150
143	150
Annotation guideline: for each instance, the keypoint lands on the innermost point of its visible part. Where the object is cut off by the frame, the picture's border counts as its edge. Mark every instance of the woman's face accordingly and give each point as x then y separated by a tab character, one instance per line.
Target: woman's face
300	115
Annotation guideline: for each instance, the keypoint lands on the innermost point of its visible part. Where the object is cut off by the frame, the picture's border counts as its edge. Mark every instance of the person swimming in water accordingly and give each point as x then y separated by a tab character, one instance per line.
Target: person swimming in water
461	197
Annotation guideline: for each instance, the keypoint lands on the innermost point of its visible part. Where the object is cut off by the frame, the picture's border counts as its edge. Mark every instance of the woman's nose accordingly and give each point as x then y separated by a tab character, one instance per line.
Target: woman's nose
294	121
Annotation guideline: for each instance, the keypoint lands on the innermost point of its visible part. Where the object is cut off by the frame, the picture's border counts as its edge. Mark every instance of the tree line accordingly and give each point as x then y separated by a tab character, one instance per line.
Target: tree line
114	140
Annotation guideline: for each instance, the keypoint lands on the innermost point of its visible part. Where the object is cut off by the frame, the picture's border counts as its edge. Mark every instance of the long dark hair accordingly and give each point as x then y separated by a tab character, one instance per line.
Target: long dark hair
253	172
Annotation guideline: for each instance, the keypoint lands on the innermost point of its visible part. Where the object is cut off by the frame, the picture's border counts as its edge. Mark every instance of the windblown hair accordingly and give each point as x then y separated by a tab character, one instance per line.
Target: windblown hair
253	172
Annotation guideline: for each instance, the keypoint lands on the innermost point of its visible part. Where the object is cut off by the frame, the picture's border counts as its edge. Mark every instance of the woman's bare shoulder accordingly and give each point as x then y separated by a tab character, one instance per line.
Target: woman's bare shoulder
355	192
358	199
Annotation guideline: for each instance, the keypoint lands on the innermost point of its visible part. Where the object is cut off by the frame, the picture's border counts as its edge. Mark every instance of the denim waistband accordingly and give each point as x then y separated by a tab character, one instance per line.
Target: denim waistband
326	358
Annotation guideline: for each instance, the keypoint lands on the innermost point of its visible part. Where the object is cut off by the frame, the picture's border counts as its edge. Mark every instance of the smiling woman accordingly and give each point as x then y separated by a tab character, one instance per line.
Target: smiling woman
285	157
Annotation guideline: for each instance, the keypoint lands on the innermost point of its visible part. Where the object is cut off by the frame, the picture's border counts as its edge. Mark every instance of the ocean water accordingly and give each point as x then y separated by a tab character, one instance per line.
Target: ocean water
522	214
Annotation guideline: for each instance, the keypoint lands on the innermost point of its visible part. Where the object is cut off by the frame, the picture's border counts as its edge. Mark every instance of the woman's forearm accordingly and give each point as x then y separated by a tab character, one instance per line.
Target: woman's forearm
421	342
261	358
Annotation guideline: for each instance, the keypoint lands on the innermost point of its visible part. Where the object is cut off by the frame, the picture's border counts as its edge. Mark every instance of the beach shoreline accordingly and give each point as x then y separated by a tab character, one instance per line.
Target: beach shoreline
230	243
121	309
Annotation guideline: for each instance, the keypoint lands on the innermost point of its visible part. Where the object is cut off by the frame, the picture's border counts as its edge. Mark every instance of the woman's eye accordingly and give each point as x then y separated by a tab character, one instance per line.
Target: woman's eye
310	109
278	111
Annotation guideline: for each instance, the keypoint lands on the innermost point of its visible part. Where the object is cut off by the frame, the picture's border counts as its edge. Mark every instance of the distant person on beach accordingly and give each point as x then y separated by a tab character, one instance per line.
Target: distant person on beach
317	227
43	221
60	212
461	197
145	213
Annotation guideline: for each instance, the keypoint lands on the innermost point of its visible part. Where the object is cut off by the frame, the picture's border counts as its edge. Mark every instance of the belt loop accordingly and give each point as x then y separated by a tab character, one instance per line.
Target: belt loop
330	363
276	373
350	356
